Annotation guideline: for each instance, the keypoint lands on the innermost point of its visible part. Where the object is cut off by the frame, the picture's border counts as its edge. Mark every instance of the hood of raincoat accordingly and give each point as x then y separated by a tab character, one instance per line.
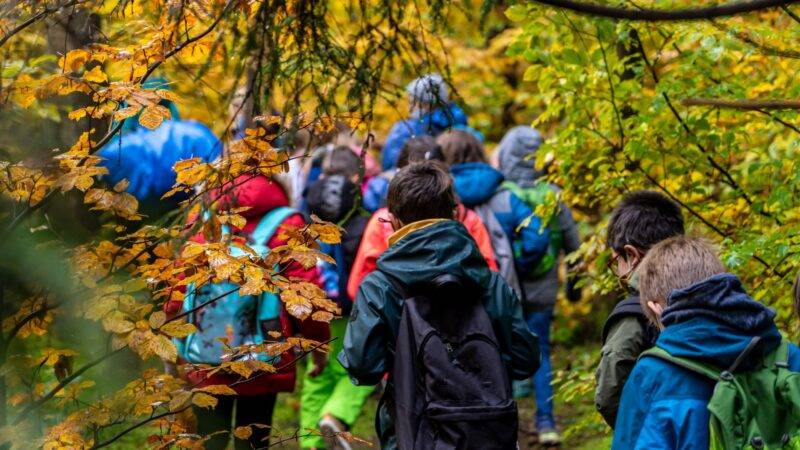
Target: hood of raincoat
431	123
441	248
516	155
714	321
475	182
260	194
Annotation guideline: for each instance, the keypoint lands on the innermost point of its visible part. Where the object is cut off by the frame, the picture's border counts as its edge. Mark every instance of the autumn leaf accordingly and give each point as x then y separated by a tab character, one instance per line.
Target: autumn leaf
157	319
217	389
163	347
96	75
152	116
202	400
178	329
243	433
180	400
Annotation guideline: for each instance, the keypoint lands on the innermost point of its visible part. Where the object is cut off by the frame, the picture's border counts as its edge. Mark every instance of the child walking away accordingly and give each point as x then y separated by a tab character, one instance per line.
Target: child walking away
330	402
720	375
449	331
248	319
641	220
379	228
516	156
510	222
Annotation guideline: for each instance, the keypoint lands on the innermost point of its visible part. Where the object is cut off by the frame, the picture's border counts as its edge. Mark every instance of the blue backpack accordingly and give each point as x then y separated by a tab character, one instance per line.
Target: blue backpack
243	320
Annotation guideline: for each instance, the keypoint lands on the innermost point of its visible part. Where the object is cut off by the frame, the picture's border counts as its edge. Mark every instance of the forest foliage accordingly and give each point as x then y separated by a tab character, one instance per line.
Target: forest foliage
702	110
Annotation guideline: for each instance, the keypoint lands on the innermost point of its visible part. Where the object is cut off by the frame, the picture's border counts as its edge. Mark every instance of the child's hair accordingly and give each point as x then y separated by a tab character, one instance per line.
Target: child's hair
643	219
675	263
422	190
459	146
341	160
419	148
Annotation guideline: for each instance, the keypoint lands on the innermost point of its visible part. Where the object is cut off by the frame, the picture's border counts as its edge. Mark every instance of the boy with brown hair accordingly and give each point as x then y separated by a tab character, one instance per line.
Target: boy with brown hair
433	264
708	320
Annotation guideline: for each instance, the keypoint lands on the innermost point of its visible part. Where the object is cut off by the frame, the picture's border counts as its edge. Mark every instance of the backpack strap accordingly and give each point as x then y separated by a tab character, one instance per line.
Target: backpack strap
688	364
269	224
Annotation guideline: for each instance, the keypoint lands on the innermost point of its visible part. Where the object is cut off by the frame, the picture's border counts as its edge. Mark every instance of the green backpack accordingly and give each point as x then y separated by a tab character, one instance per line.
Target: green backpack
758	409
533	197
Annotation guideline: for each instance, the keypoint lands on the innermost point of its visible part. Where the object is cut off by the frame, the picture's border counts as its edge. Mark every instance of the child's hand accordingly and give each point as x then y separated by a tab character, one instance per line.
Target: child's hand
319	360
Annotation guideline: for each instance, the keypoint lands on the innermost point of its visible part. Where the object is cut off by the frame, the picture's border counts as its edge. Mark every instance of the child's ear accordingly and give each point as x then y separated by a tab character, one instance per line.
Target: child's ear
633	255
657	310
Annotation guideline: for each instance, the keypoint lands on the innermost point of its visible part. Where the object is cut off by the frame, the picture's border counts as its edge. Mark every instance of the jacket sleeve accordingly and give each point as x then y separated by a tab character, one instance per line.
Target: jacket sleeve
373	244
478	231
519	346
625	342
532	241
364	352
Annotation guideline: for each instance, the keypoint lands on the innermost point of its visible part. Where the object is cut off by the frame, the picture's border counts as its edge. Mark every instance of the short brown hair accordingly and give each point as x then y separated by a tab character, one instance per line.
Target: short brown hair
342	160
459	146
422	190
675	263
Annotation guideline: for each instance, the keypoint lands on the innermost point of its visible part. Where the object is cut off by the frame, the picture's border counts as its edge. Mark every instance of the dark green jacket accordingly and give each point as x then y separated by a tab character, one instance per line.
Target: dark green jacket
416	259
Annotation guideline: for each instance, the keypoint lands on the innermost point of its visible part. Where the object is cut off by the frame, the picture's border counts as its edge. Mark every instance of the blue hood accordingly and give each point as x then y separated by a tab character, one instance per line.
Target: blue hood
714	320
476	182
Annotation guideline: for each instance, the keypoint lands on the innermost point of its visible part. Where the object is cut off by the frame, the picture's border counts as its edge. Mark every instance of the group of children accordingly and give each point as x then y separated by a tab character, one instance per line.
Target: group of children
442	259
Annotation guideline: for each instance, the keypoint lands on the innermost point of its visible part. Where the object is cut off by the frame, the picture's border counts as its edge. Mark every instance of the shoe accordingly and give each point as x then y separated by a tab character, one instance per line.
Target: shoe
331	428
549	437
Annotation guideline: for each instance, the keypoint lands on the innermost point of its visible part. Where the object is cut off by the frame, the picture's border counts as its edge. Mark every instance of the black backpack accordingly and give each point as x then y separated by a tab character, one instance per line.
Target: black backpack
452	390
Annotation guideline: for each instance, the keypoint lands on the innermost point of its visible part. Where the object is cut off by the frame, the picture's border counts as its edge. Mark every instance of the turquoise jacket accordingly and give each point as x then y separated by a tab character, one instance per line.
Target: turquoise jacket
417	258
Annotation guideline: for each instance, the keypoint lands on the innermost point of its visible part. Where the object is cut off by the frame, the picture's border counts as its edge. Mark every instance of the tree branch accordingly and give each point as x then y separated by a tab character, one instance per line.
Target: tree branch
41	401
746	104
658	15
137	425
35	18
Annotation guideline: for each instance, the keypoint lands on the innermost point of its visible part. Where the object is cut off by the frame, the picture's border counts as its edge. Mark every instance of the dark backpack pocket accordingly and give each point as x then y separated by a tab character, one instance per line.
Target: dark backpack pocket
469	427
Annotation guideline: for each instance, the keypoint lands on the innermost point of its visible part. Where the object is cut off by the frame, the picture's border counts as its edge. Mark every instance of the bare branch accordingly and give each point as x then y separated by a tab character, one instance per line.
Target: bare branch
35	18
746	104
659	15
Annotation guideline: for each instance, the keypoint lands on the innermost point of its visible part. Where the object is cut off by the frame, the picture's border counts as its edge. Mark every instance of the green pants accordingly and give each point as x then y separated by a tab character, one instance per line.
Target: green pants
331	392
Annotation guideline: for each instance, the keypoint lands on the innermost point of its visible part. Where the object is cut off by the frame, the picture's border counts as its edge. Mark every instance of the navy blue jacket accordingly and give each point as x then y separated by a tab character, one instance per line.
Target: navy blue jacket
663	406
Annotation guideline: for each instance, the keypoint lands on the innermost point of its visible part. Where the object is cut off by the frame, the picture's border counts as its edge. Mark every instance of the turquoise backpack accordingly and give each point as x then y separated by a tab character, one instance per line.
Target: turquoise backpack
241	319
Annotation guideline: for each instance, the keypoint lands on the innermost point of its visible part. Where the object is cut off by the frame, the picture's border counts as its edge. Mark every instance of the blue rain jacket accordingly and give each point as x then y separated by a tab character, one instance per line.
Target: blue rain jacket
663	406
477	183
430	124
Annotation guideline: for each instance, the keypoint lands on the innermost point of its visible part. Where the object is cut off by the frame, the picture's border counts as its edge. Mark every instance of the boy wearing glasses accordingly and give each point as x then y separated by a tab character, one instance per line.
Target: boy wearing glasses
640	221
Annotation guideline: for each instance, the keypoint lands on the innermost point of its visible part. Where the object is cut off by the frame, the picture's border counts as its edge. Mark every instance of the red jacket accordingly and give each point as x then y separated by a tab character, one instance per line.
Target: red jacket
262	195
376	240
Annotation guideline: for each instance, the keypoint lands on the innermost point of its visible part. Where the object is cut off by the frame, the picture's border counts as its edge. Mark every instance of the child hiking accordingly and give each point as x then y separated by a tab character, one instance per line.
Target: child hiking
330	402
720	376
434	260
516	156
246	318
641	220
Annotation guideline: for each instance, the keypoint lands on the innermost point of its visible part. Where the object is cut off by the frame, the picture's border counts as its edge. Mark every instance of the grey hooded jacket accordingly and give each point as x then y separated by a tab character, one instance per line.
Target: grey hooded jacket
516	156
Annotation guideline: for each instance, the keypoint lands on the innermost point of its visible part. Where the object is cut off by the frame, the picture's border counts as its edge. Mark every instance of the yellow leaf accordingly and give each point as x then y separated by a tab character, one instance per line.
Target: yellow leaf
163	347
322	316
121	186
217	389
204	400
179	400
243	433
126	112
152	116
96	75
116	323
191	250
242	368
77	114
157	319
178	329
